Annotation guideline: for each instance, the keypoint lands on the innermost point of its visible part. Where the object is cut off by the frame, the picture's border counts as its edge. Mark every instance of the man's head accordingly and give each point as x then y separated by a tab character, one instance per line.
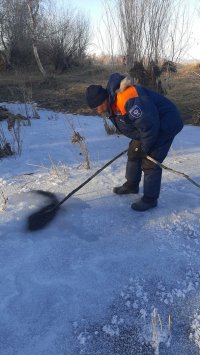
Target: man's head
97	98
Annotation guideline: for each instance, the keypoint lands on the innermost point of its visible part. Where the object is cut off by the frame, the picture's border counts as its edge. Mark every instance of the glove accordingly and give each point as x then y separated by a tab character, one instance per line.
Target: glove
135	151
138	152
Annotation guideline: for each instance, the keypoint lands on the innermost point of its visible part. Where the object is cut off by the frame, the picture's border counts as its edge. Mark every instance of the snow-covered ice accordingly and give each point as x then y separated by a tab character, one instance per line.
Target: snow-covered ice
101	278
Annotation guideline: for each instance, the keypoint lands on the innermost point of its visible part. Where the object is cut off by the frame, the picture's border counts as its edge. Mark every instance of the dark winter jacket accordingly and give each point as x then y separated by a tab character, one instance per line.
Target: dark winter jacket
140	113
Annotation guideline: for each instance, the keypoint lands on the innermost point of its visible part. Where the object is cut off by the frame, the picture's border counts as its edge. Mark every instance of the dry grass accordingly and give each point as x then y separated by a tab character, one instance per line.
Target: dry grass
66	92
78	139
3	201
186	91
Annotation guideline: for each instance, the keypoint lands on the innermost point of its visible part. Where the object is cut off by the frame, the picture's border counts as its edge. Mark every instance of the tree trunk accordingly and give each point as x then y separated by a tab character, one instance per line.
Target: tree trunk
33	25
37	58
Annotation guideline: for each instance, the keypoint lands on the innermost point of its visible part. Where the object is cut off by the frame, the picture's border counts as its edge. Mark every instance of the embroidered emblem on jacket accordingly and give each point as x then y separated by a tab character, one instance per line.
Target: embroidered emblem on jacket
135	112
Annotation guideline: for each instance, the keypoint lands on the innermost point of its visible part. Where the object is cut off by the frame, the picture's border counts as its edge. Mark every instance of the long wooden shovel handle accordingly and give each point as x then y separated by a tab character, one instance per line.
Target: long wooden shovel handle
90	178
110	162
172	170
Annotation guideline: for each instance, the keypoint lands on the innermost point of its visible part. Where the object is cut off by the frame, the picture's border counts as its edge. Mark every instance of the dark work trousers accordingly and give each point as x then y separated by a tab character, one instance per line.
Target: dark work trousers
152	172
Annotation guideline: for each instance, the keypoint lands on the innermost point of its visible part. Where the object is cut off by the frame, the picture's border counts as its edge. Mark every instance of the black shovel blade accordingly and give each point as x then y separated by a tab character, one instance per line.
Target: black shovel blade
42	218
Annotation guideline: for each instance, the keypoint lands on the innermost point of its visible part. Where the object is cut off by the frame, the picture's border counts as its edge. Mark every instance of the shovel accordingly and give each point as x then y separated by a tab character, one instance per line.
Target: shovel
45	215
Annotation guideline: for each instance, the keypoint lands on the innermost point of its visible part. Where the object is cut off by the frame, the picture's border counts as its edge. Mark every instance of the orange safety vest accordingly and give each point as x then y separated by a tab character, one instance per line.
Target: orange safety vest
118	107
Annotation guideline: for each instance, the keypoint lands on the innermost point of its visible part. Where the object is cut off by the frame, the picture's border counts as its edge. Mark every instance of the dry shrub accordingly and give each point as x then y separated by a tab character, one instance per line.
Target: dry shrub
196	118
3	201
49	82
197	65
14	123
5	148
110	129
78	139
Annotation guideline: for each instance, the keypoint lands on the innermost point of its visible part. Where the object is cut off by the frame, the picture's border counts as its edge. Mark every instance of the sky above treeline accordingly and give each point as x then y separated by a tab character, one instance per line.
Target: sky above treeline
94	9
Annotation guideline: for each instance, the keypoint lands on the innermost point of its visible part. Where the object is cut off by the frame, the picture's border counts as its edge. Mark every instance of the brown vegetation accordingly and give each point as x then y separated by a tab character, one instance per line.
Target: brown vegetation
185	91
67	91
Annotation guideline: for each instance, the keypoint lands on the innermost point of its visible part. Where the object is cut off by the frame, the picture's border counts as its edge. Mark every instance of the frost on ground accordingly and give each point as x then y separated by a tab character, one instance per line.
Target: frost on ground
195	330
135	326
101	278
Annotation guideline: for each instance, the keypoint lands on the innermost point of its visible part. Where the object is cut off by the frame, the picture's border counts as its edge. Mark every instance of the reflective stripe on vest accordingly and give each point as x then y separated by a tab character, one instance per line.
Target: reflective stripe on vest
118	106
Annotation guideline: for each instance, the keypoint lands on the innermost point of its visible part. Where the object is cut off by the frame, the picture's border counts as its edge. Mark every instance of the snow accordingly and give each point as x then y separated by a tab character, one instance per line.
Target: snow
101	278
195	330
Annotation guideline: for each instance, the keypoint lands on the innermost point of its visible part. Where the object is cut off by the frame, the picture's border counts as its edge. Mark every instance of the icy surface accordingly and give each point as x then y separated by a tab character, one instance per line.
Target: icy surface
101	278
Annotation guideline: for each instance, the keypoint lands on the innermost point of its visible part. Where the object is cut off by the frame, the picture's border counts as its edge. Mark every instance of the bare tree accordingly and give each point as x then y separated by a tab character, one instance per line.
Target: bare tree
33	10
132	19
149	30
156	29
30	32
109	30
67	37
15	32
109	35
12	28
179	31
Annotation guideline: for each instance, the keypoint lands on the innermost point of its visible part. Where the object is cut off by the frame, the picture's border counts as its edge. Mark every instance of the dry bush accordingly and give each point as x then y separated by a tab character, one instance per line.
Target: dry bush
196	118
156	76
5	150
16	134
14	123
77	138
4	200
160	333
58	169
26	91
5	147
49	82
110	129
20	88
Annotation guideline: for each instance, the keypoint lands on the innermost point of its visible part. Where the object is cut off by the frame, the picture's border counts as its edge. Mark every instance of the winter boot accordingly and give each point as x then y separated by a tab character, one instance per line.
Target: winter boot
143	205
126	188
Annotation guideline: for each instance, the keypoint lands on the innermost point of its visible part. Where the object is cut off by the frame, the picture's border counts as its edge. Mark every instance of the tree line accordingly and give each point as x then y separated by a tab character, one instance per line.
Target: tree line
145	31
35	31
